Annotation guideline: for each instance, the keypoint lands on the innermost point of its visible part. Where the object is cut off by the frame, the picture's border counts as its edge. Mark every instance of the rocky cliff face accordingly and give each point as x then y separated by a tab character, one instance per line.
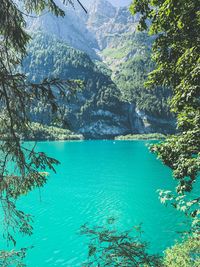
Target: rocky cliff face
142	123
72	28
114	32
108	27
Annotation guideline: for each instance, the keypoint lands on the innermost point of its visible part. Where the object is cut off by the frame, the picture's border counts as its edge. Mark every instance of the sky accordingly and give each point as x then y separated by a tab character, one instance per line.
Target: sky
114	2
120	2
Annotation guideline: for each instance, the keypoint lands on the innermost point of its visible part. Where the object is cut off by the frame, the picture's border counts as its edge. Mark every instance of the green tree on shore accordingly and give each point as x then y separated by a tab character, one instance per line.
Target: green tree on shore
176	50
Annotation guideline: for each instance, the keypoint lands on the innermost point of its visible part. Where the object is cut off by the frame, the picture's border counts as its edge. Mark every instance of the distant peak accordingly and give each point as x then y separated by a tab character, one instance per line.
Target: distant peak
102	7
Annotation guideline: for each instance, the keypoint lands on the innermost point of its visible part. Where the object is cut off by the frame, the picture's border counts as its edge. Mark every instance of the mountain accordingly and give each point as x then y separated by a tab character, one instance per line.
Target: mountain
83	31
103	49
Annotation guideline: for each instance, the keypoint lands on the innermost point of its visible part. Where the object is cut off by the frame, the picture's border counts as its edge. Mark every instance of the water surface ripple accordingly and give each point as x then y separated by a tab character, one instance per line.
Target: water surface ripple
97	180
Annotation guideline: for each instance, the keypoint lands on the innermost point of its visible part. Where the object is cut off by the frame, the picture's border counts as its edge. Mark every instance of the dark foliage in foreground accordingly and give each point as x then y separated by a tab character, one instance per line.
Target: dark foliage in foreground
176	50
21	168
110	247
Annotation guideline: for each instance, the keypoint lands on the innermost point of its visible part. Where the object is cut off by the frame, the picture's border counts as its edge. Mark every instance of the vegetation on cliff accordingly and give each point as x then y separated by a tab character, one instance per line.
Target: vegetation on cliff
41	132
152	136
131	75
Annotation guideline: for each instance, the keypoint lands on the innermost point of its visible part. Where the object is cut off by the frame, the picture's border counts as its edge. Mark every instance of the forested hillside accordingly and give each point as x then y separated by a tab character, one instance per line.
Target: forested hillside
95	110
131	75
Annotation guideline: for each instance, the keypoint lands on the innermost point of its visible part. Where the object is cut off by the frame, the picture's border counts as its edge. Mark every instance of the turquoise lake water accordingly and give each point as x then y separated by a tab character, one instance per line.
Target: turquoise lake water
97	180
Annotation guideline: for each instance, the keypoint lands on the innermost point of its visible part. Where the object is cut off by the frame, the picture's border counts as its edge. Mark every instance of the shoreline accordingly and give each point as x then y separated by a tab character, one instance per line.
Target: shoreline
63	135
144	137
132	137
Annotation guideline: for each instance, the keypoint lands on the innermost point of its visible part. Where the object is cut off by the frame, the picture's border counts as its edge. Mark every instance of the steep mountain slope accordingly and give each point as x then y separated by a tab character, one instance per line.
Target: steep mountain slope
109	23
71	29
128	54
96	111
